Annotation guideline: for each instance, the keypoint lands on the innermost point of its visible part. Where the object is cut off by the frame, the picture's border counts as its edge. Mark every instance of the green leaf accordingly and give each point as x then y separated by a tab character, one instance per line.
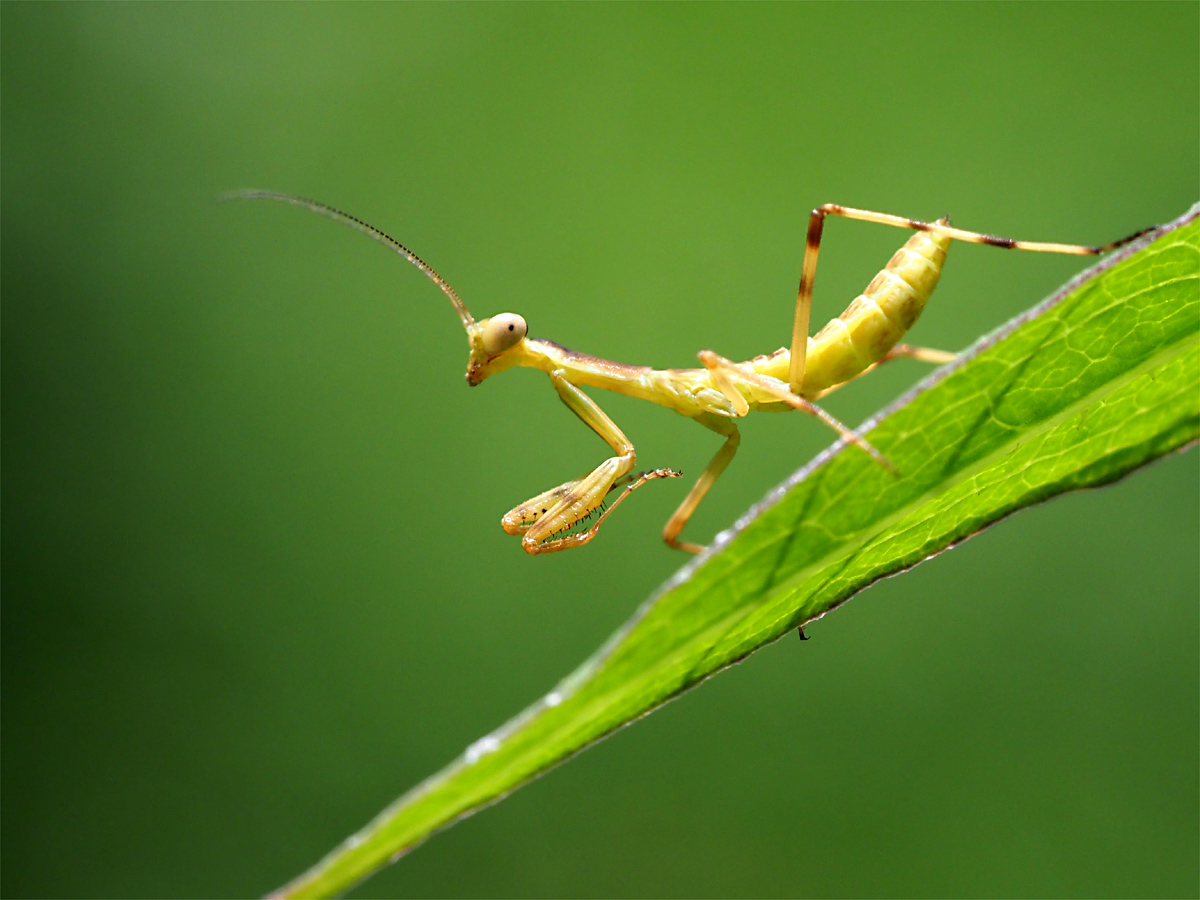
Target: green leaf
1101	378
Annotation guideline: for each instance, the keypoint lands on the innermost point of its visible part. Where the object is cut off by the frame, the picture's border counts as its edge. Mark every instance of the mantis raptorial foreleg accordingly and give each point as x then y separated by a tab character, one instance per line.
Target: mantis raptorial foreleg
808	271
562	507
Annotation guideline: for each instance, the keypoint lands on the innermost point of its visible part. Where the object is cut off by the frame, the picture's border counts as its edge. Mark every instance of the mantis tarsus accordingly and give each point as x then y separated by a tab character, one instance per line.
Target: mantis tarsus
863	337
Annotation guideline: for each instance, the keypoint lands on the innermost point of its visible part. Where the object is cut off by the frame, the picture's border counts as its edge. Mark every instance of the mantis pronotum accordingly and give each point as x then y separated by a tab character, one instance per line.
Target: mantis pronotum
863	337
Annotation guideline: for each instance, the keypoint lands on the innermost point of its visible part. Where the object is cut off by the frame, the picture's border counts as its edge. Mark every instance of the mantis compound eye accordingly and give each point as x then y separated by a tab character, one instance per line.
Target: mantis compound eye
502	332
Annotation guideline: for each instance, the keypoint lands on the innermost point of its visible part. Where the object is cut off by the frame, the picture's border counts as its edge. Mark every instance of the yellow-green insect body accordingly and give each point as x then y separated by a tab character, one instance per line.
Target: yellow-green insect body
867	334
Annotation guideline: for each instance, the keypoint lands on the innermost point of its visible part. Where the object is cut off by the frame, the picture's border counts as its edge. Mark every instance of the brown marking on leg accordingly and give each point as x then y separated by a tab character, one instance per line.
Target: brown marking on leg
993	241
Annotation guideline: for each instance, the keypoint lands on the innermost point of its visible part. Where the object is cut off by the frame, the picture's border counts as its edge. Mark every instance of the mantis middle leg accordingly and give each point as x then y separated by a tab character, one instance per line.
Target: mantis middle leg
537	520
725	376
710	474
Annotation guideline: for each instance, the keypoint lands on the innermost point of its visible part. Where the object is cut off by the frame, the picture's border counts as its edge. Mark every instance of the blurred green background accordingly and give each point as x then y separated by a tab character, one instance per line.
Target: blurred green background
254	584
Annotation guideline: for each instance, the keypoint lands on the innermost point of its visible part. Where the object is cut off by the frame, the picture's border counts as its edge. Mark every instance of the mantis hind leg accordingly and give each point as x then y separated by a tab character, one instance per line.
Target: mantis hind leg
808	272
921	354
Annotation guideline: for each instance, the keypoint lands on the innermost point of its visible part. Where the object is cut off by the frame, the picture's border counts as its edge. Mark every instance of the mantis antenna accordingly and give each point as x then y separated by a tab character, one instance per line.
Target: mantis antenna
370	230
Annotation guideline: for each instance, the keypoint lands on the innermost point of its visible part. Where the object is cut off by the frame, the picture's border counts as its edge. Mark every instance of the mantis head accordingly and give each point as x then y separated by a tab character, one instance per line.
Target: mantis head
495	343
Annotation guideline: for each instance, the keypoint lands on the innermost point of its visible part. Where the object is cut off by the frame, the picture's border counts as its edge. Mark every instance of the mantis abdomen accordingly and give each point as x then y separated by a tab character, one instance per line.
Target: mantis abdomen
874	323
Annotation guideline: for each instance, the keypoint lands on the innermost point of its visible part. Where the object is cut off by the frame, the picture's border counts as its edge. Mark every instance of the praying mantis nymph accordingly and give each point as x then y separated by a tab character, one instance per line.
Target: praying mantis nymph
863	337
